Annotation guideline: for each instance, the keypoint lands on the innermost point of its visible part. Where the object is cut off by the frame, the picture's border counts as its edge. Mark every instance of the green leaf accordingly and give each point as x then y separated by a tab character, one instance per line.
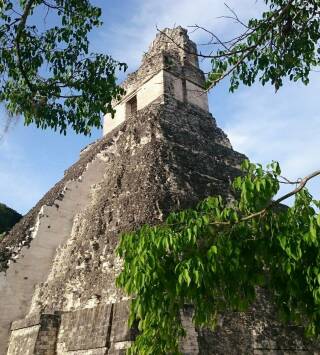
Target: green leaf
313	231
186	276
212	251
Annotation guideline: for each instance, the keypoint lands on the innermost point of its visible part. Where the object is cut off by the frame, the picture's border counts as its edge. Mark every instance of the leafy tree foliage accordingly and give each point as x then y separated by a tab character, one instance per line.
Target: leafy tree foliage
214	257
49	75
8	218
284	42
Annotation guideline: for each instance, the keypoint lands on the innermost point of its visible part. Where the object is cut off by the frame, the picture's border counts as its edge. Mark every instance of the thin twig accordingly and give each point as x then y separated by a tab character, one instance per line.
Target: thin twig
287	181
235	15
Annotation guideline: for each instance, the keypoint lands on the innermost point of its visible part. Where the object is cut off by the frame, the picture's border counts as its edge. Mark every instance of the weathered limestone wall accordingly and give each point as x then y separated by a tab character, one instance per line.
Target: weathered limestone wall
33	257
110	123
149	169
91	331
164	158
23	341
35	335
85	329
190	344
162	83
173	86
256	332
151	90
197	96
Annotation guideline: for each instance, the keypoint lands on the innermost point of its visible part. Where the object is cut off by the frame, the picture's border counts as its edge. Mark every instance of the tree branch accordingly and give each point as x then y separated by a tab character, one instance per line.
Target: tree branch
20	29
301	185
249	50
246	52
272	204
207	56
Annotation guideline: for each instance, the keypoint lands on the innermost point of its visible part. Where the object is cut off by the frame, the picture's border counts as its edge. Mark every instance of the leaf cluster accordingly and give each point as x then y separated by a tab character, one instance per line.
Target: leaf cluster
216	255
49	76
284	42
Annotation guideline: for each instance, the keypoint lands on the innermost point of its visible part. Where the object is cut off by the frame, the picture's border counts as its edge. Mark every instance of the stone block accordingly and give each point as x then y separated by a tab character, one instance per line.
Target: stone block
85	329
120	331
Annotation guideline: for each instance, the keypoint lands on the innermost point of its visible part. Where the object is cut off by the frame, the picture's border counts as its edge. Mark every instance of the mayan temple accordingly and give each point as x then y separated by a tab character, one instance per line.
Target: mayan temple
163	151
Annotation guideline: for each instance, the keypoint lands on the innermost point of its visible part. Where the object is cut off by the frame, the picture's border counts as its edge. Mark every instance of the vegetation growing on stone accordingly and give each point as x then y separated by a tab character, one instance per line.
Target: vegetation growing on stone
8	218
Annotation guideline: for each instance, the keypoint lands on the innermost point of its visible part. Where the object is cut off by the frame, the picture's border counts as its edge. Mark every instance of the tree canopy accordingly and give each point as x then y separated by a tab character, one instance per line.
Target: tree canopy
8	218
48	74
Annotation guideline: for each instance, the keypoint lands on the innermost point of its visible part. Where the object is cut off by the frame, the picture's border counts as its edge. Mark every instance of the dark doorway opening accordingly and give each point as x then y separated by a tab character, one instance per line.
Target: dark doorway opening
132	106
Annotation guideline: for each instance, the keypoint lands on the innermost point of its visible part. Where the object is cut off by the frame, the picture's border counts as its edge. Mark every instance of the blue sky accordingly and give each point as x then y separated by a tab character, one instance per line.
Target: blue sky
263	125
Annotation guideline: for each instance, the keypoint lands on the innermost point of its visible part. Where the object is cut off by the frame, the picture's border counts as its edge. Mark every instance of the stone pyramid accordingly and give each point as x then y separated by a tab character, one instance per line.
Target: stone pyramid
163	151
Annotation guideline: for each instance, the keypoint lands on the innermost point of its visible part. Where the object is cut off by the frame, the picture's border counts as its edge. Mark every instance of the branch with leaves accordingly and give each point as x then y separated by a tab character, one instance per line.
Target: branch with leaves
284	42
48	75
216	255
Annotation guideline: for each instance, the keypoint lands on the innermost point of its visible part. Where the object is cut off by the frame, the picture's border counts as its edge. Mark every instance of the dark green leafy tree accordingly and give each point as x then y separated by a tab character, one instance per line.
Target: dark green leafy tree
48	75
8	218
216	255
